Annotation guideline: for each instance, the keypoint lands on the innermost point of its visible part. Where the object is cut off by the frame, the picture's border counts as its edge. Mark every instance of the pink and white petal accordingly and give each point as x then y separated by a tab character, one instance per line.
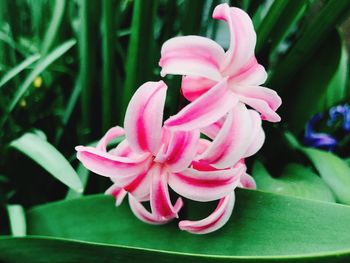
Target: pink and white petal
191	55
205	110
194	87
251	74
109	165
140	187
203	144
204	186
257	135
144	116
111	134
214	221
247	181
267	113
232	141
159	196
242	37
269	96
181	150
212	130
143	214
117	192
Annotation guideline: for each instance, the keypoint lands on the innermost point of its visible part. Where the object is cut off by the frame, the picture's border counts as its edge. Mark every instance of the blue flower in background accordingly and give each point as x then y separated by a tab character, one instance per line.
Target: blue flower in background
338	122
318	140
342	112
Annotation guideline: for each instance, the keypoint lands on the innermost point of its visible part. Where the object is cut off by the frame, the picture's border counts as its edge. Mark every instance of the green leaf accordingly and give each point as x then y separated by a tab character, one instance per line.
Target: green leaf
264	227
276	23
337	88
47	156
38	69
317	30
296	180
333	170
17	220
54	26
140	59
18	69
308	89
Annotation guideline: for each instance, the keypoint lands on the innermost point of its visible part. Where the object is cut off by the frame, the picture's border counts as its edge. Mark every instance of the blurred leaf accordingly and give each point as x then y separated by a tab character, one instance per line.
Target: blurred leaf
306	93
54	26
38	69
18	69
337	88
317	30
332	169
276	23
296	180
17	219
140	58
263	228
47	156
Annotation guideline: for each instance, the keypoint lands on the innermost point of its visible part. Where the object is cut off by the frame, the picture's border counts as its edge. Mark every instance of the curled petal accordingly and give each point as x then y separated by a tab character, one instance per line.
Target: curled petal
205	110
144	215
247	181
144	116
194	87
269	96
117	192
251	74
109	165
267	113
232	141
181	150
205	186
214	221
242	37
257	135
191	55
159	197
111	134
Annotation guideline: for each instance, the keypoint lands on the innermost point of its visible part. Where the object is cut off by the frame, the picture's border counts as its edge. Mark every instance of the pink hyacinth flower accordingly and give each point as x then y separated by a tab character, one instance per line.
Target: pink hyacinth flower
215	80
151	157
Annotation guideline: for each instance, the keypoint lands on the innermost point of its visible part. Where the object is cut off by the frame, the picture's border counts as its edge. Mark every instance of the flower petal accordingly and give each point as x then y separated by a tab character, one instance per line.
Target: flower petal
180	151
117	192
251	74
214	221
194	87
143	214
204	186
111	134
191	55
144	116
247	181
232	141
267	113
159	197
205	110
212	130
109	165
257	135
242	37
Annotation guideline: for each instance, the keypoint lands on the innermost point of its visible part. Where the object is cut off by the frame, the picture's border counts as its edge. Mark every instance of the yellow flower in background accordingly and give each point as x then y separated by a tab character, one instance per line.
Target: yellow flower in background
38	82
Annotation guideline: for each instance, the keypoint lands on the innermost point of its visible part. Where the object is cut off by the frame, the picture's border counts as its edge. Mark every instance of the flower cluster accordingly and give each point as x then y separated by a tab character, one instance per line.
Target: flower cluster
156	155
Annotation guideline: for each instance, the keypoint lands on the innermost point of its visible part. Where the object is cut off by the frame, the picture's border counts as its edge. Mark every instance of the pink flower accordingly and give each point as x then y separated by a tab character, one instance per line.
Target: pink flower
152	157
217	80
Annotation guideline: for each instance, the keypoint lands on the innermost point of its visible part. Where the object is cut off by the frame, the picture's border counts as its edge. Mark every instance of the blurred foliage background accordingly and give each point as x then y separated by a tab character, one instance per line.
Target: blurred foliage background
68	69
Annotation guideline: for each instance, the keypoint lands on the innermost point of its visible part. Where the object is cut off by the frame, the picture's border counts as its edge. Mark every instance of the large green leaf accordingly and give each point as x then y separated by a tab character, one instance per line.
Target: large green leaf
47	156
296	180
333	170
263	228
